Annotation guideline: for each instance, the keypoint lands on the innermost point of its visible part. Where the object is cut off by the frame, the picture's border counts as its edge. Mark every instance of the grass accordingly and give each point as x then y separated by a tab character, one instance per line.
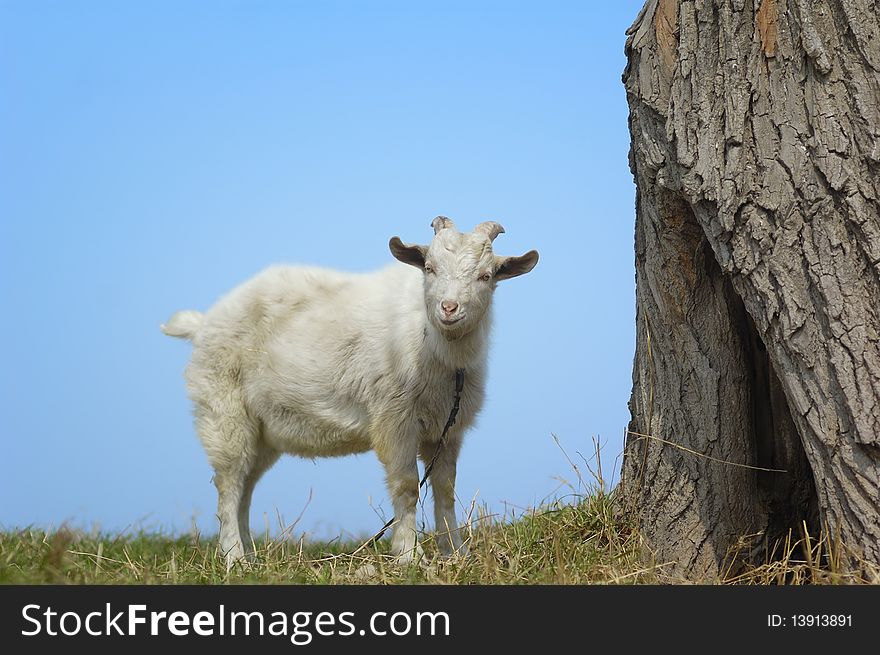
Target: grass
589	541
581	543
559	544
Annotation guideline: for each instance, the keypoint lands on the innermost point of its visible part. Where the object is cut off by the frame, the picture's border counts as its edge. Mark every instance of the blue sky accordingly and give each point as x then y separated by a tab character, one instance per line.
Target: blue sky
154	155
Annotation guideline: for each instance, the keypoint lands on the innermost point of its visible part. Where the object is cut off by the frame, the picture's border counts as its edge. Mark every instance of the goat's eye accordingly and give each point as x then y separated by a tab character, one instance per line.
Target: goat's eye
429	269
485	277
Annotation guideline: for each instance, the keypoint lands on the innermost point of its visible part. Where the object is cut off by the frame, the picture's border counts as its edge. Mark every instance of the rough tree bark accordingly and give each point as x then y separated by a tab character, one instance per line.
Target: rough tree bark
755	129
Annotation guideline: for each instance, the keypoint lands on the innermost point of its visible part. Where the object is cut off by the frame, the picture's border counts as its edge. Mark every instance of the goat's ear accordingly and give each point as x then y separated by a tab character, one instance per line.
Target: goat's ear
507	267
412	255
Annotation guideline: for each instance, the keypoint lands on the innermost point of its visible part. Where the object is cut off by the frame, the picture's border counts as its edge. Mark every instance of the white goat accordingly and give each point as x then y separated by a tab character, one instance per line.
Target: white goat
315	362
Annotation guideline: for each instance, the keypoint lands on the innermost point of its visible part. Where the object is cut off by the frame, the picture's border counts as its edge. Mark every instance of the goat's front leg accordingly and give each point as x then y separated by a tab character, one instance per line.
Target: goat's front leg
442	479
397	450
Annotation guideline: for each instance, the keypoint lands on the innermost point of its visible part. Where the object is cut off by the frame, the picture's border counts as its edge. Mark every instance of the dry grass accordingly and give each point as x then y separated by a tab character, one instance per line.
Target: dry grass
804	559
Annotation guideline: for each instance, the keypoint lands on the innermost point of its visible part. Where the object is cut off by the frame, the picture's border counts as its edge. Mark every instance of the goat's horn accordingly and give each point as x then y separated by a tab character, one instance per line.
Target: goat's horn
490	228
441	223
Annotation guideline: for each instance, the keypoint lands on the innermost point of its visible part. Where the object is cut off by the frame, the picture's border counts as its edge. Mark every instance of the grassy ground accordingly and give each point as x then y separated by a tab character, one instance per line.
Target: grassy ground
581	543
568	544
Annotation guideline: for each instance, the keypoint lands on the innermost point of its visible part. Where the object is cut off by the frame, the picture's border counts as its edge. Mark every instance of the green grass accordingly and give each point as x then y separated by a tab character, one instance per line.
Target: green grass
580	543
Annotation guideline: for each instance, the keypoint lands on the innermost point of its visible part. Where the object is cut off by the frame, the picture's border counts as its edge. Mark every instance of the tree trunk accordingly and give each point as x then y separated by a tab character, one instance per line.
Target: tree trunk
755	131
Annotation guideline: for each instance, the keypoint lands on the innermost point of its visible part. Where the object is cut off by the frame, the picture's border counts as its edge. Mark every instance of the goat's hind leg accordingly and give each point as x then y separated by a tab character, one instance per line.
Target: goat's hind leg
231	440
265	457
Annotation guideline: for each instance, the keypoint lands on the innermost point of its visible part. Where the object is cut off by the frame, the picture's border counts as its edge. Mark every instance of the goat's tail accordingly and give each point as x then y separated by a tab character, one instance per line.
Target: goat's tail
183	325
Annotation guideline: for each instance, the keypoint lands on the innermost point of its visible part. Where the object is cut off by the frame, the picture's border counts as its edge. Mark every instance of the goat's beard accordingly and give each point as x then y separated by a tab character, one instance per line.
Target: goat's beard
456	331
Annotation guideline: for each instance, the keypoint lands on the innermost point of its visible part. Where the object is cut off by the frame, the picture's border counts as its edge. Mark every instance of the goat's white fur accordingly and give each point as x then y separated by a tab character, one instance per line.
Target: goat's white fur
316	362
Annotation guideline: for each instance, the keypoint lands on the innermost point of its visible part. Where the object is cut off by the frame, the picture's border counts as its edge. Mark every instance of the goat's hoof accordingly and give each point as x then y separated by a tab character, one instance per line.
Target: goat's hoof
410	557
365	573
244	562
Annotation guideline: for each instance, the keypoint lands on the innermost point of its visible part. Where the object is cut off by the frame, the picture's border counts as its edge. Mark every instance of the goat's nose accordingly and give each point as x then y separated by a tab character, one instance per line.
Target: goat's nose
449	306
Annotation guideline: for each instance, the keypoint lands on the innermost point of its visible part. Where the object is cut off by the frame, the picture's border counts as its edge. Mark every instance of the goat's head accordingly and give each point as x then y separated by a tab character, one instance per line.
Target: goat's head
461	272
